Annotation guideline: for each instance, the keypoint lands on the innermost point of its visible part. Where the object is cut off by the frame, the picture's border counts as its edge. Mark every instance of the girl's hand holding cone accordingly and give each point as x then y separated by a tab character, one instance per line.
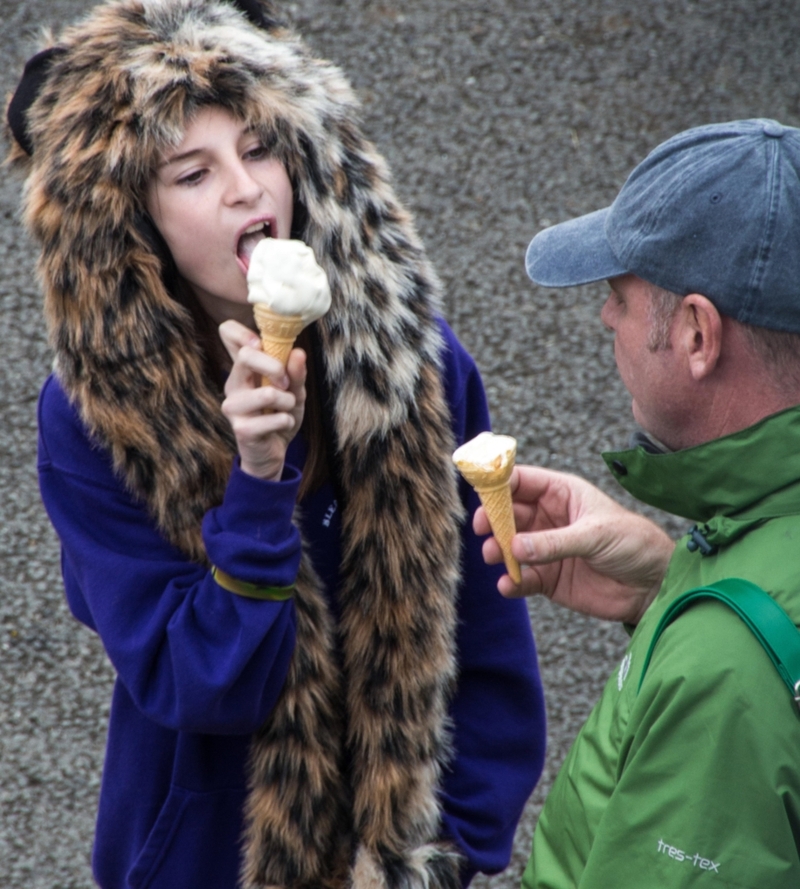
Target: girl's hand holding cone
264	418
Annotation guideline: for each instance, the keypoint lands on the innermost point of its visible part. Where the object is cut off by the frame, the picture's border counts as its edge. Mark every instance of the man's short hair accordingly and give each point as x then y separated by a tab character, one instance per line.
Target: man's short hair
661	311
778	350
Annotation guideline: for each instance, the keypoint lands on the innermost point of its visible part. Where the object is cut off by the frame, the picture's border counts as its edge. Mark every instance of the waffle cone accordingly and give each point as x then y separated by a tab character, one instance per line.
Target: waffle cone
496	500
486	477
487	462
278	332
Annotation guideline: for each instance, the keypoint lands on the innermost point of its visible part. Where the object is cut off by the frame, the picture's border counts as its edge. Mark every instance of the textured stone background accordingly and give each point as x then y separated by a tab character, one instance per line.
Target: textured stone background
498	118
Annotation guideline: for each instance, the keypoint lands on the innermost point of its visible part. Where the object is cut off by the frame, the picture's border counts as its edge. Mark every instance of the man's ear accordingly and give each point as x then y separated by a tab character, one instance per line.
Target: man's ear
700	334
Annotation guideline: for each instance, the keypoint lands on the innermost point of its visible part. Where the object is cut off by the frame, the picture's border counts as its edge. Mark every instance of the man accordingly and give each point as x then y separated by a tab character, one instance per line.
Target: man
692	778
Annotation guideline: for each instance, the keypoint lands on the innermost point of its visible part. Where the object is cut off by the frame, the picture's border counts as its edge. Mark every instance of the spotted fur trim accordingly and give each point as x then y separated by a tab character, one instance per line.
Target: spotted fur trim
121	93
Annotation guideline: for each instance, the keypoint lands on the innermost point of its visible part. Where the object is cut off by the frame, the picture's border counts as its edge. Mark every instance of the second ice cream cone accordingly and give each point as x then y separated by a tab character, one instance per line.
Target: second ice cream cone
486	463
278	332
500	512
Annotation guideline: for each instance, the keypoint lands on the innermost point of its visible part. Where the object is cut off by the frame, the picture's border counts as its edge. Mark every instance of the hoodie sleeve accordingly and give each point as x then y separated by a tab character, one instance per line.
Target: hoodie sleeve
498	710
192	655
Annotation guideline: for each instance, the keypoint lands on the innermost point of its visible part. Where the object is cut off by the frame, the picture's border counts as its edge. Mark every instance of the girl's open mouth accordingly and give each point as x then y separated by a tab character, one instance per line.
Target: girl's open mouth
249	238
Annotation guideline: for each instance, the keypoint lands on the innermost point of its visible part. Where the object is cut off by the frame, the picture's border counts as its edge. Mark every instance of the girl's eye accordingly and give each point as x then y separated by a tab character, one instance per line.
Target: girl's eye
192	178
259	152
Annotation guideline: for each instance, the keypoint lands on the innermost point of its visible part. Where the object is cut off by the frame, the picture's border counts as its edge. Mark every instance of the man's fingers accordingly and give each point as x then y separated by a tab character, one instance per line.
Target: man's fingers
542	547
532	585
528	483
491	551
524	519
480	522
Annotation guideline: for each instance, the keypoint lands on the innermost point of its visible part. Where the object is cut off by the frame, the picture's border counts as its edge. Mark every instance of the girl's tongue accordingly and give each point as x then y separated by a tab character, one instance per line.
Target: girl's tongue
247	244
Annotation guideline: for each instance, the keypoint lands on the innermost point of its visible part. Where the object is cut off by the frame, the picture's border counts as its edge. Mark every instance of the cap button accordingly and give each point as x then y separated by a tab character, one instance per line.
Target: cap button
774	129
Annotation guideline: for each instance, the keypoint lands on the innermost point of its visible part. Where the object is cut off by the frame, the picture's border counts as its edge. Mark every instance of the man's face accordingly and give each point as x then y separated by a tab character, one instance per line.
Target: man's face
652	375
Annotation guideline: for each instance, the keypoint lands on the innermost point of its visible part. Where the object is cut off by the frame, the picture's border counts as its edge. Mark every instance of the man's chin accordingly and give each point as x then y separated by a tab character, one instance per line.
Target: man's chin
643	424
662	439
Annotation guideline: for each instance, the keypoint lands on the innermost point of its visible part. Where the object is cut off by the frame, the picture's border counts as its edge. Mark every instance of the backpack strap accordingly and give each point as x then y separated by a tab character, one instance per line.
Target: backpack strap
770	624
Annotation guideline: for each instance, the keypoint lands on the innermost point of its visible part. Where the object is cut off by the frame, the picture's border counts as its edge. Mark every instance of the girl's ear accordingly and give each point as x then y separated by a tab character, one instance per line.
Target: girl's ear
261	13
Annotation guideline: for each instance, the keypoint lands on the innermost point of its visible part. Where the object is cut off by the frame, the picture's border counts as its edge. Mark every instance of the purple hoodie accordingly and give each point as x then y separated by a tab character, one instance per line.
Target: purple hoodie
199	668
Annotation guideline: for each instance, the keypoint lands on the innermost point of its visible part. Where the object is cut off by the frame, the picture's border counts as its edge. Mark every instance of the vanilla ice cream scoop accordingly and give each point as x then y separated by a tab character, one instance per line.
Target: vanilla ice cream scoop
288	291
486	463
487	457
284	276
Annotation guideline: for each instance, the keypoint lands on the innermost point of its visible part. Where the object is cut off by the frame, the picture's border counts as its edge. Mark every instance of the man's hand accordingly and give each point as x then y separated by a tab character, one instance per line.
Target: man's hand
579	547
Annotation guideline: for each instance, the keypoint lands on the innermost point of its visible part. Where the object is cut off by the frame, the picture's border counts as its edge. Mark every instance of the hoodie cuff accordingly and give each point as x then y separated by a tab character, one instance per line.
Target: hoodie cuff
250	537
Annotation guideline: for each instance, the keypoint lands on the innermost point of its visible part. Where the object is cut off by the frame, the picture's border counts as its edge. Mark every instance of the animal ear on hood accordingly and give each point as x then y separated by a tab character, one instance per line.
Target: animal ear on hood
33	76
260	12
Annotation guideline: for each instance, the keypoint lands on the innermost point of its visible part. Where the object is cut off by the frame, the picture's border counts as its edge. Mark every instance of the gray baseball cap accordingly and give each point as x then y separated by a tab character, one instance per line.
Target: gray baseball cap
714	210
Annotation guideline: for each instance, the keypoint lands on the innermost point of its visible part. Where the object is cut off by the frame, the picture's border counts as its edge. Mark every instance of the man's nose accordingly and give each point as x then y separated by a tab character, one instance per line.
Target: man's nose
607	312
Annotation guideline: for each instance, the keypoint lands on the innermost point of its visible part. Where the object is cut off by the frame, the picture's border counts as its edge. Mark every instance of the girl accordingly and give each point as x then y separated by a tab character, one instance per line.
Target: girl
317	685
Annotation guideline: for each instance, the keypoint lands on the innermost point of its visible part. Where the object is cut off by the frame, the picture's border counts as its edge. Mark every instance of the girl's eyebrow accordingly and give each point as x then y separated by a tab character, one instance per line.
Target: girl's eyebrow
180	157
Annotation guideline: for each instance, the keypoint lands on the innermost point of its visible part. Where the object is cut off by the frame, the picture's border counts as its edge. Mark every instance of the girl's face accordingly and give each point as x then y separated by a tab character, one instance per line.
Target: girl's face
213	198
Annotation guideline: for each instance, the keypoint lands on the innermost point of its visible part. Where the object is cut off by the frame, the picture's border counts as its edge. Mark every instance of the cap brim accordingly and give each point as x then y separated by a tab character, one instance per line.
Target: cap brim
573	252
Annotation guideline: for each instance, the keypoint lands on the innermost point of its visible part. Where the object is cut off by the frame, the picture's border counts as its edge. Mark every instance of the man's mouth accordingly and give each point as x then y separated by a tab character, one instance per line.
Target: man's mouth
249	238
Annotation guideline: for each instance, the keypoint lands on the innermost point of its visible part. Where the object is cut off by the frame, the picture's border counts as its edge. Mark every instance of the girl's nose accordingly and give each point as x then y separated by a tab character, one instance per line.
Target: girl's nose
242	187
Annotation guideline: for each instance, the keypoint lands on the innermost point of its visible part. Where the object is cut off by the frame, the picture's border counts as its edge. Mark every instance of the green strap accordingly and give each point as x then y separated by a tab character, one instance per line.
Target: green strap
251	590
771	625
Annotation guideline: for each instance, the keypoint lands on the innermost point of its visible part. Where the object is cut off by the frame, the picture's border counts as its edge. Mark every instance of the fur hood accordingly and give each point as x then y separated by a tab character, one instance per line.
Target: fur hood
118	93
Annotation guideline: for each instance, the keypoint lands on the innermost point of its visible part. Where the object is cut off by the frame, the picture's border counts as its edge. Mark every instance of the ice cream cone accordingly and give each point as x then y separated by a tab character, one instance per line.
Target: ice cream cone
491	481
496	501
278	332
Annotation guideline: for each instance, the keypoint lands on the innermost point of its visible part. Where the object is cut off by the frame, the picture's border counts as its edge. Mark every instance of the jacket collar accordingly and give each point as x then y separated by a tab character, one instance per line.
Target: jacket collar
746	477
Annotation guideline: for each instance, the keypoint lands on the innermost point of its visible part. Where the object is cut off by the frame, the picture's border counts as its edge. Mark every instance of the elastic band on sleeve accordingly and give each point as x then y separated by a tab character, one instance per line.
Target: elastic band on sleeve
251	590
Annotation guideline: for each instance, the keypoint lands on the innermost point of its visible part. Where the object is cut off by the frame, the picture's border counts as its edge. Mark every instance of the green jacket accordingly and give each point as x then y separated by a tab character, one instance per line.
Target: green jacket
695	780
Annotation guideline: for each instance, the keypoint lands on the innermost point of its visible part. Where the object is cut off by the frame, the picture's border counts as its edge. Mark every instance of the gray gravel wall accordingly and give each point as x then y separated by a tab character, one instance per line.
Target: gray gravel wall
498	118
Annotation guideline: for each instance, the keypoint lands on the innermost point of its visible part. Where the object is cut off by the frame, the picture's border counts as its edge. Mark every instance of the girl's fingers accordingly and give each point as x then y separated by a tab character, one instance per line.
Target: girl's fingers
247	401
244	348
250	366
235	335
297	370
252	429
